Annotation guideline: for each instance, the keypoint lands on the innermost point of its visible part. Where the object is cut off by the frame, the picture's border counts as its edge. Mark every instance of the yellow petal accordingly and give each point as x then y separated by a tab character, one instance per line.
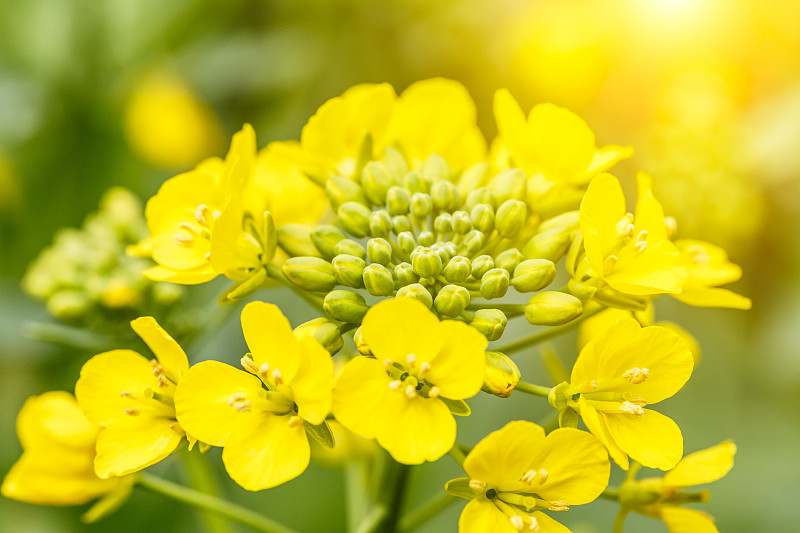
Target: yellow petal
653	440
240	161
54	417
169	353
167	252
195	276
202	401
362	397
225	258
548	524
421	429
708	264
712	297
270	339
684	520
178	198
649	213
608	156
312	385
269	453
656	271
503	455
562	142
459	367
135	443
482	517
597	425
602	207
398	327
113	382
701	467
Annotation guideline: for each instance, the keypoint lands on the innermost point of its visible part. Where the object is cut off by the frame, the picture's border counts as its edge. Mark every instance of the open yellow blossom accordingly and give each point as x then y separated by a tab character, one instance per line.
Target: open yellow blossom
661	498
618	374
632	255
131	399
260	417
402	396
57	463
517	472
709	267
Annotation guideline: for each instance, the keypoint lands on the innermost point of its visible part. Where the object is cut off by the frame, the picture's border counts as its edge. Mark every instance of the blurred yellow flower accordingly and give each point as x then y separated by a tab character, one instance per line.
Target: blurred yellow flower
616	375
260	417
167	125
517	472
131	399
402	396
709	267
57	463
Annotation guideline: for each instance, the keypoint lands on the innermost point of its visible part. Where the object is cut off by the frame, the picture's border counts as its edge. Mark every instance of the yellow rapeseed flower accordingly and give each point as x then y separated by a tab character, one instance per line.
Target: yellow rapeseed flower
57	463
632	255
709	267
131	399
616	375
517	472
401	396
661	498
260	417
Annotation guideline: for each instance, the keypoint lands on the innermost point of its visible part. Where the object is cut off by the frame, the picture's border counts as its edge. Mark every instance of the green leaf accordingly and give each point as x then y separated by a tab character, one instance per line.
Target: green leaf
321	433
457	407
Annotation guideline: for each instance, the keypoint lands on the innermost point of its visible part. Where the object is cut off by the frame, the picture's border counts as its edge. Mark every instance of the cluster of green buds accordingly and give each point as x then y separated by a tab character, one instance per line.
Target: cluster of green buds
87	279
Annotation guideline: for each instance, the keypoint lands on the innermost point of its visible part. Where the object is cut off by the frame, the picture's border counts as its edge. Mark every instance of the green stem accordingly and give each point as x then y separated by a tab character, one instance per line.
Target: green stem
458	454
207	502
202	479
372	522
420	516
277	274
535	390
610	494
548	333
355	479
619	521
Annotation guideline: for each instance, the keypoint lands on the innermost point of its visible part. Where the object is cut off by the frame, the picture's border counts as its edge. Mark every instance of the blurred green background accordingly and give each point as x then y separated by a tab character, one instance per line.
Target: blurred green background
95	94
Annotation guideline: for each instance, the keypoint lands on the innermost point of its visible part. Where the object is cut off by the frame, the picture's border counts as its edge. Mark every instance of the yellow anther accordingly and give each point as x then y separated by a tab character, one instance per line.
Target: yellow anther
529	476
157	370
636	375
631	408
132	411
176	427
641	402
642	236
207	256
188	228
248	365
183	240
625	226
533	525
698	254
203	215
517	522
295	421
424	368
394	385
434	392
558	506
277	377
640	247
242	407
474	484
591	386
263	370
543	475
672	226
610	261
411	392
162	381
387	363
411	358
126	394
236	398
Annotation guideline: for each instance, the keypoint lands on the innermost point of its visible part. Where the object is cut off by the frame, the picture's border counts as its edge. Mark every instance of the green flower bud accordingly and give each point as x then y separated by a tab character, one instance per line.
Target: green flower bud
472	178
509	259
378	280
325	239
406	242
404	275
494	284
442	251
417	291
445	196
379	251
533	275
581	290
324	332
451	300
426	262
310	273
426	238
354	218
69	304
482	217
510	218
490	322
401	224
376	180
458	269
462	224
346	306
349	270
398	200
421	205
443	224
350	247
550	244
481	265
473	241
415	183
551	308
395	162
481	195
342	190
380	224
295	240
510	184
501	376
361	346
435	168
566	221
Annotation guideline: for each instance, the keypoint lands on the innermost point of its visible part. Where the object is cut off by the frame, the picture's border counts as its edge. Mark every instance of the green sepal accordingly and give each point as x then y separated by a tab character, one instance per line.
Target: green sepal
269	237
243	289
457	407
568	418
112	501
460	488
321	433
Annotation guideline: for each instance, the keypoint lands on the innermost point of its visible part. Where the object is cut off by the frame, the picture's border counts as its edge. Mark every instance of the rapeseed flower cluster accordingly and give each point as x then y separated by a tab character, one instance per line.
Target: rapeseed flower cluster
408	232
